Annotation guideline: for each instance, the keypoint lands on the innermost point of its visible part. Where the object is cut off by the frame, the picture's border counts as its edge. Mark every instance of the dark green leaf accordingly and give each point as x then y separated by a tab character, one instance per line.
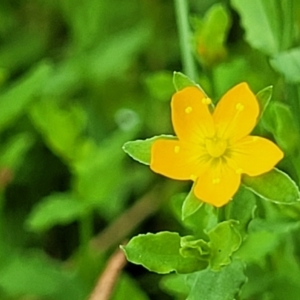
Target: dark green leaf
264	96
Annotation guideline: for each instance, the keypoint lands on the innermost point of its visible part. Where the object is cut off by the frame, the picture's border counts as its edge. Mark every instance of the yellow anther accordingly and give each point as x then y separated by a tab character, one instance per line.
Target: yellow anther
176	149
188	110
193	177
239	106
216	180
206	100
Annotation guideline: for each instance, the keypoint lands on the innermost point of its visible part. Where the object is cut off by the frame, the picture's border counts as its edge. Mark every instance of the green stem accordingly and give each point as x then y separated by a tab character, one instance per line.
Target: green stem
188	63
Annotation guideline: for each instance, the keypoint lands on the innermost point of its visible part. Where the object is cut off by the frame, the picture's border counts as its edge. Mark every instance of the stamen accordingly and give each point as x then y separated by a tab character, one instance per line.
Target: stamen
216	180
176	149
188	110
239	106
206	100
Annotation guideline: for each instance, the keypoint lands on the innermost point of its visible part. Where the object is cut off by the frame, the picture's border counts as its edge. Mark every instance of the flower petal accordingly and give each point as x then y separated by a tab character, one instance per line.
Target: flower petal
236	113
175	159
191	118
217	184
254	155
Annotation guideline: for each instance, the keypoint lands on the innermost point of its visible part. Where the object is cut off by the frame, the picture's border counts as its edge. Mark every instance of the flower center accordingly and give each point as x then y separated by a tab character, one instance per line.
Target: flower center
215	147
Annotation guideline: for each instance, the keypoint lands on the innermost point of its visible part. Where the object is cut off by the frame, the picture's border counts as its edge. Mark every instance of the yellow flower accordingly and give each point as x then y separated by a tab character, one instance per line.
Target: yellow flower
214	149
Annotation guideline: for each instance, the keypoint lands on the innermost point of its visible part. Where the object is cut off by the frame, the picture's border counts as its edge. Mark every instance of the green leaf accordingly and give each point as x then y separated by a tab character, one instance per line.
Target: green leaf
32	273
264	96
190	205
181	81
275	186
241	208
13	152
174	284
56	209
210	35
288	64
160	253
279	120
140	150
260	20
223	285
14	101
224	240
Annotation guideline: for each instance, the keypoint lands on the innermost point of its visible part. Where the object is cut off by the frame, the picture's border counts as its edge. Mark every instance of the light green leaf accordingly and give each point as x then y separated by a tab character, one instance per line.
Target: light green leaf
60	127
264	96
259	18
174	284
275	186
140	150
32	273
190	205
241	208
211	285
210	35
160	253
12	154
181	81
279	120
56	209
224	240
288	64
14	101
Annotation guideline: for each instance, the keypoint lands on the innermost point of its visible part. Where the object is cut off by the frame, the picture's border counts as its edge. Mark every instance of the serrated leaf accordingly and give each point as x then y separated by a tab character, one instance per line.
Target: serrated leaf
160	253
275	186
264	96
223	285
288	64
259	20
140	150
190	205
224	240
56	209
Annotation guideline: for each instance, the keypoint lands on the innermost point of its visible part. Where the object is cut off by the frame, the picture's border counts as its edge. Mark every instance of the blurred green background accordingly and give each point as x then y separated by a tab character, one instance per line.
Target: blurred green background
78	79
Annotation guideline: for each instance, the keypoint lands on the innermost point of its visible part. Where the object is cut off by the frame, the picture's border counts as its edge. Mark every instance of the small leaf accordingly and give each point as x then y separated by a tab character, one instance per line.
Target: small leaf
210	35
140	150
275	186
160	253
190	205
264	96
288	64
241	208
174	284
258	18
55	209
181	81
223	285
224	240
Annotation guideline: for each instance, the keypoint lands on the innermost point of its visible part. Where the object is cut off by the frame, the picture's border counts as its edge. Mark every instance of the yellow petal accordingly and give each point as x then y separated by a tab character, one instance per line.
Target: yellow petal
236	113
254	155
191	118
217	184
175	159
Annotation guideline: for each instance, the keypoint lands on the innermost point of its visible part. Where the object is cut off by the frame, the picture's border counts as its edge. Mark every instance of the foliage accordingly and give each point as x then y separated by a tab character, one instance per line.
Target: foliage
81	81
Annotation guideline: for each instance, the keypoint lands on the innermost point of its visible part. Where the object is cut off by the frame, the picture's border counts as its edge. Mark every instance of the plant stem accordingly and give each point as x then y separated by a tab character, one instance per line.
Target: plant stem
188	63
85	231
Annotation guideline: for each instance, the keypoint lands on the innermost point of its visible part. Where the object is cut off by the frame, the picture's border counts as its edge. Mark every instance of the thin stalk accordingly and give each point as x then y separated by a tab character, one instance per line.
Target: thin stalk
188	62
